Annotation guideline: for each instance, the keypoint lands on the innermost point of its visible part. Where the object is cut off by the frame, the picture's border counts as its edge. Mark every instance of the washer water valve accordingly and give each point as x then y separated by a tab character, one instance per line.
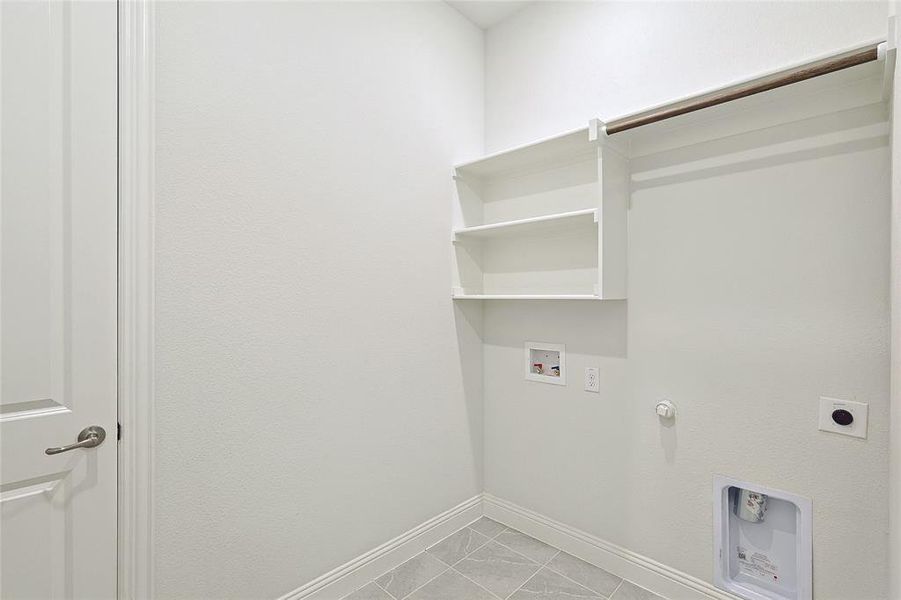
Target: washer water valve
665	409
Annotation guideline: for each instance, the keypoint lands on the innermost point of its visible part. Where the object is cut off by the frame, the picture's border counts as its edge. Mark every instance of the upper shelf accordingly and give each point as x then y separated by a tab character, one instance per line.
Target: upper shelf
860	85
531	226
867	84
568	146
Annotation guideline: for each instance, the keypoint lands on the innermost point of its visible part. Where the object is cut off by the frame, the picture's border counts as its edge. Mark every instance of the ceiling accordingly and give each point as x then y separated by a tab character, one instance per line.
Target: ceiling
487	13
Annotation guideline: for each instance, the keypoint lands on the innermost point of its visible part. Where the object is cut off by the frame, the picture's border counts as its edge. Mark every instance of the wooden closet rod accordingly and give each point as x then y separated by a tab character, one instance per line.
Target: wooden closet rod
809	70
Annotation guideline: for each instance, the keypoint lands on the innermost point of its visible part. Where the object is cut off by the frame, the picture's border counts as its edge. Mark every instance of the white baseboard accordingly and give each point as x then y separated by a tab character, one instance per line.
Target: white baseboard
352	575
641	570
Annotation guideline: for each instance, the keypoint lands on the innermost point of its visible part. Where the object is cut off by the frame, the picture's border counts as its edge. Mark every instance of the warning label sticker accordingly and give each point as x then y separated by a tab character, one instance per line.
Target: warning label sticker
757	564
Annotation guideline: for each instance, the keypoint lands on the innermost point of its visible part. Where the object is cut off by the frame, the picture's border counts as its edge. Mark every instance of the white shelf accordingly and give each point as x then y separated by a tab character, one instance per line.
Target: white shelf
565	147
526	297
582	181
560	222
553	219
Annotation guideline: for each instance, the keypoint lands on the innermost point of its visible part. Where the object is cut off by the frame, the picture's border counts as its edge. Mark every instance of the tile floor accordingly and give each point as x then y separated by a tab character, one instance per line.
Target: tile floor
488	561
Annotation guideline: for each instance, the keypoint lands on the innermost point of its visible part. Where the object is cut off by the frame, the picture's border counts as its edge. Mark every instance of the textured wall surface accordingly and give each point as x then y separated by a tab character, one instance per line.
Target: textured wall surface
752	291
315	394
554	65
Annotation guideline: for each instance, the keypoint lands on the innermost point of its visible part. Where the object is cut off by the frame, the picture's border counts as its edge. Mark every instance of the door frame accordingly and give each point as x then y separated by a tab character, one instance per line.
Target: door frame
136	44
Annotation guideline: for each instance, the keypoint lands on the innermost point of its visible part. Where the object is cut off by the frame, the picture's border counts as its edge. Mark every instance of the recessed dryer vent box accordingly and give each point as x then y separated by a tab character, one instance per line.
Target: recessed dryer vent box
545	362
762	541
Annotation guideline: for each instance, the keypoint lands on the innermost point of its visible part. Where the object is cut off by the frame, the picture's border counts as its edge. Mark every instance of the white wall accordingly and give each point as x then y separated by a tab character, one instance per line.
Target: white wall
315	394
554	65
302	174
752	291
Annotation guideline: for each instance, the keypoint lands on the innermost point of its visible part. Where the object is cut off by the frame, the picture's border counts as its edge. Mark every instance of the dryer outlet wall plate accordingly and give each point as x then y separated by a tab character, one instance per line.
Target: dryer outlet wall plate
834	411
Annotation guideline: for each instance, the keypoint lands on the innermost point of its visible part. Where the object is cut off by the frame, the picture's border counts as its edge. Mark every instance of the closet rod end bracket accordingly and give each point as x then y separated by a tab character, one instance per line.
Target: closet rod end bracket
597	130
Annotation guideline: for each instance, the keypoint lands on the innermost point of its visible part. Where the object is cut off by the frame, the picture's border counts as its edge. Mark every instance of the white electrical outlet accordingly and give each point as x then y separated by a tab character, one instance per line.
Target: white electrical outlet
843	416
592	380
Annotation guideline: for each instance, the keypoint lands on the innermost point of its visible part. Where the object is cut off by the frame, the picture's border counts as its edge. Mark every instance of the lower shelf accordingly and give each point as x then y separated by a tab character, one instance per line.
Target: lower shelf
526	297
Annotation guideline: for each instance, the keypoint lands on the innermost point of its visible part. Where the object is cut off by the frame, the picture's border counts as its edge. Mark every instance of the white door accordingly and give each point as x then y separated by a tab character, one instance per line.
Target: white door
57	298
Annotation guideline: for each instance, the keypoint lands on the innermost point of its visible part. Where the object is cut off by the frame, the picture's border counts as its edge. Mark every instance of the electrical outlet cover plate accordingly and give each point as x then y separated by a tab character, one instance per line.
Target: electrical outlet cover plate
592	380
858	428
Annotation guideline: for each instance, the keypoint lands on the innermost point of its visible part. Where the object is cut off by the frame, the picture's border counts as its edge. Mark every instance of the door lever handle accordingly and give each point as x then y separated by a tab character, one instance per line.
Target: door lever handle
90	437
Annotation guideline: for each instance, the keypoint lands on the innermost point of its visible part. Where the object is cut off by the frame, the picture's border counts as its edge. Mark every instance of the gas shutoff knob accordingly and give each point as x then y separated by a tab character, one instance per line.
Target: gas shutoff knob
665	409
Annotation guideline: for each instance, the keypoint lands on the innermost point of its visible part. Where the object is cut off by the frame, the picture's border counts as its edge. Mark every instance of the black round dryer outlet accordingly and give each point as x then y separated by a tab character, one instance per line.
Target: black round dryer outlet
842	417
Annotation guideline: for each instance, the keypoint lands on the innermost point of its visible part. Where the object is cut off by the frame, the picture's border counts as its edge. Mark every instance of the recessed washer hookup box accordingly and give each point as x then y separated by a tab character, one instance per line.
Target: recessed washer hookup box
762	541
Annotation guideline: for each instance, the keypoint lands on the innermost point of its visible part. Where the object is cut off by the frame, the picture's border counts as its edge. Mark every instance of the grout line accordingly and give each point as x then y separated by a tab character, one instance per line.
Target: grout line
532	576
593	591
547	563
498	534
540	564
465	556
613	593
543	564
531	560
450	568
380	586
487	539
553	556
491	537
371	581
494	539
540	568
383	588
534	562
601	594
475	582
424	584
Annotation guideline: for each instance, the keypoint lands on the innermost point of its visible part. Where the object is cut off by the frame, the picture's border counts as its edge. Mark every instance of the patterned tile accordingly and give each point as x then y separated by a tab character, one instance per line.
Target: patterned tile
630	591
455	547
526	545
592	577
369	591
488	527
401	581
497	568
483	568
451	586
548	585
